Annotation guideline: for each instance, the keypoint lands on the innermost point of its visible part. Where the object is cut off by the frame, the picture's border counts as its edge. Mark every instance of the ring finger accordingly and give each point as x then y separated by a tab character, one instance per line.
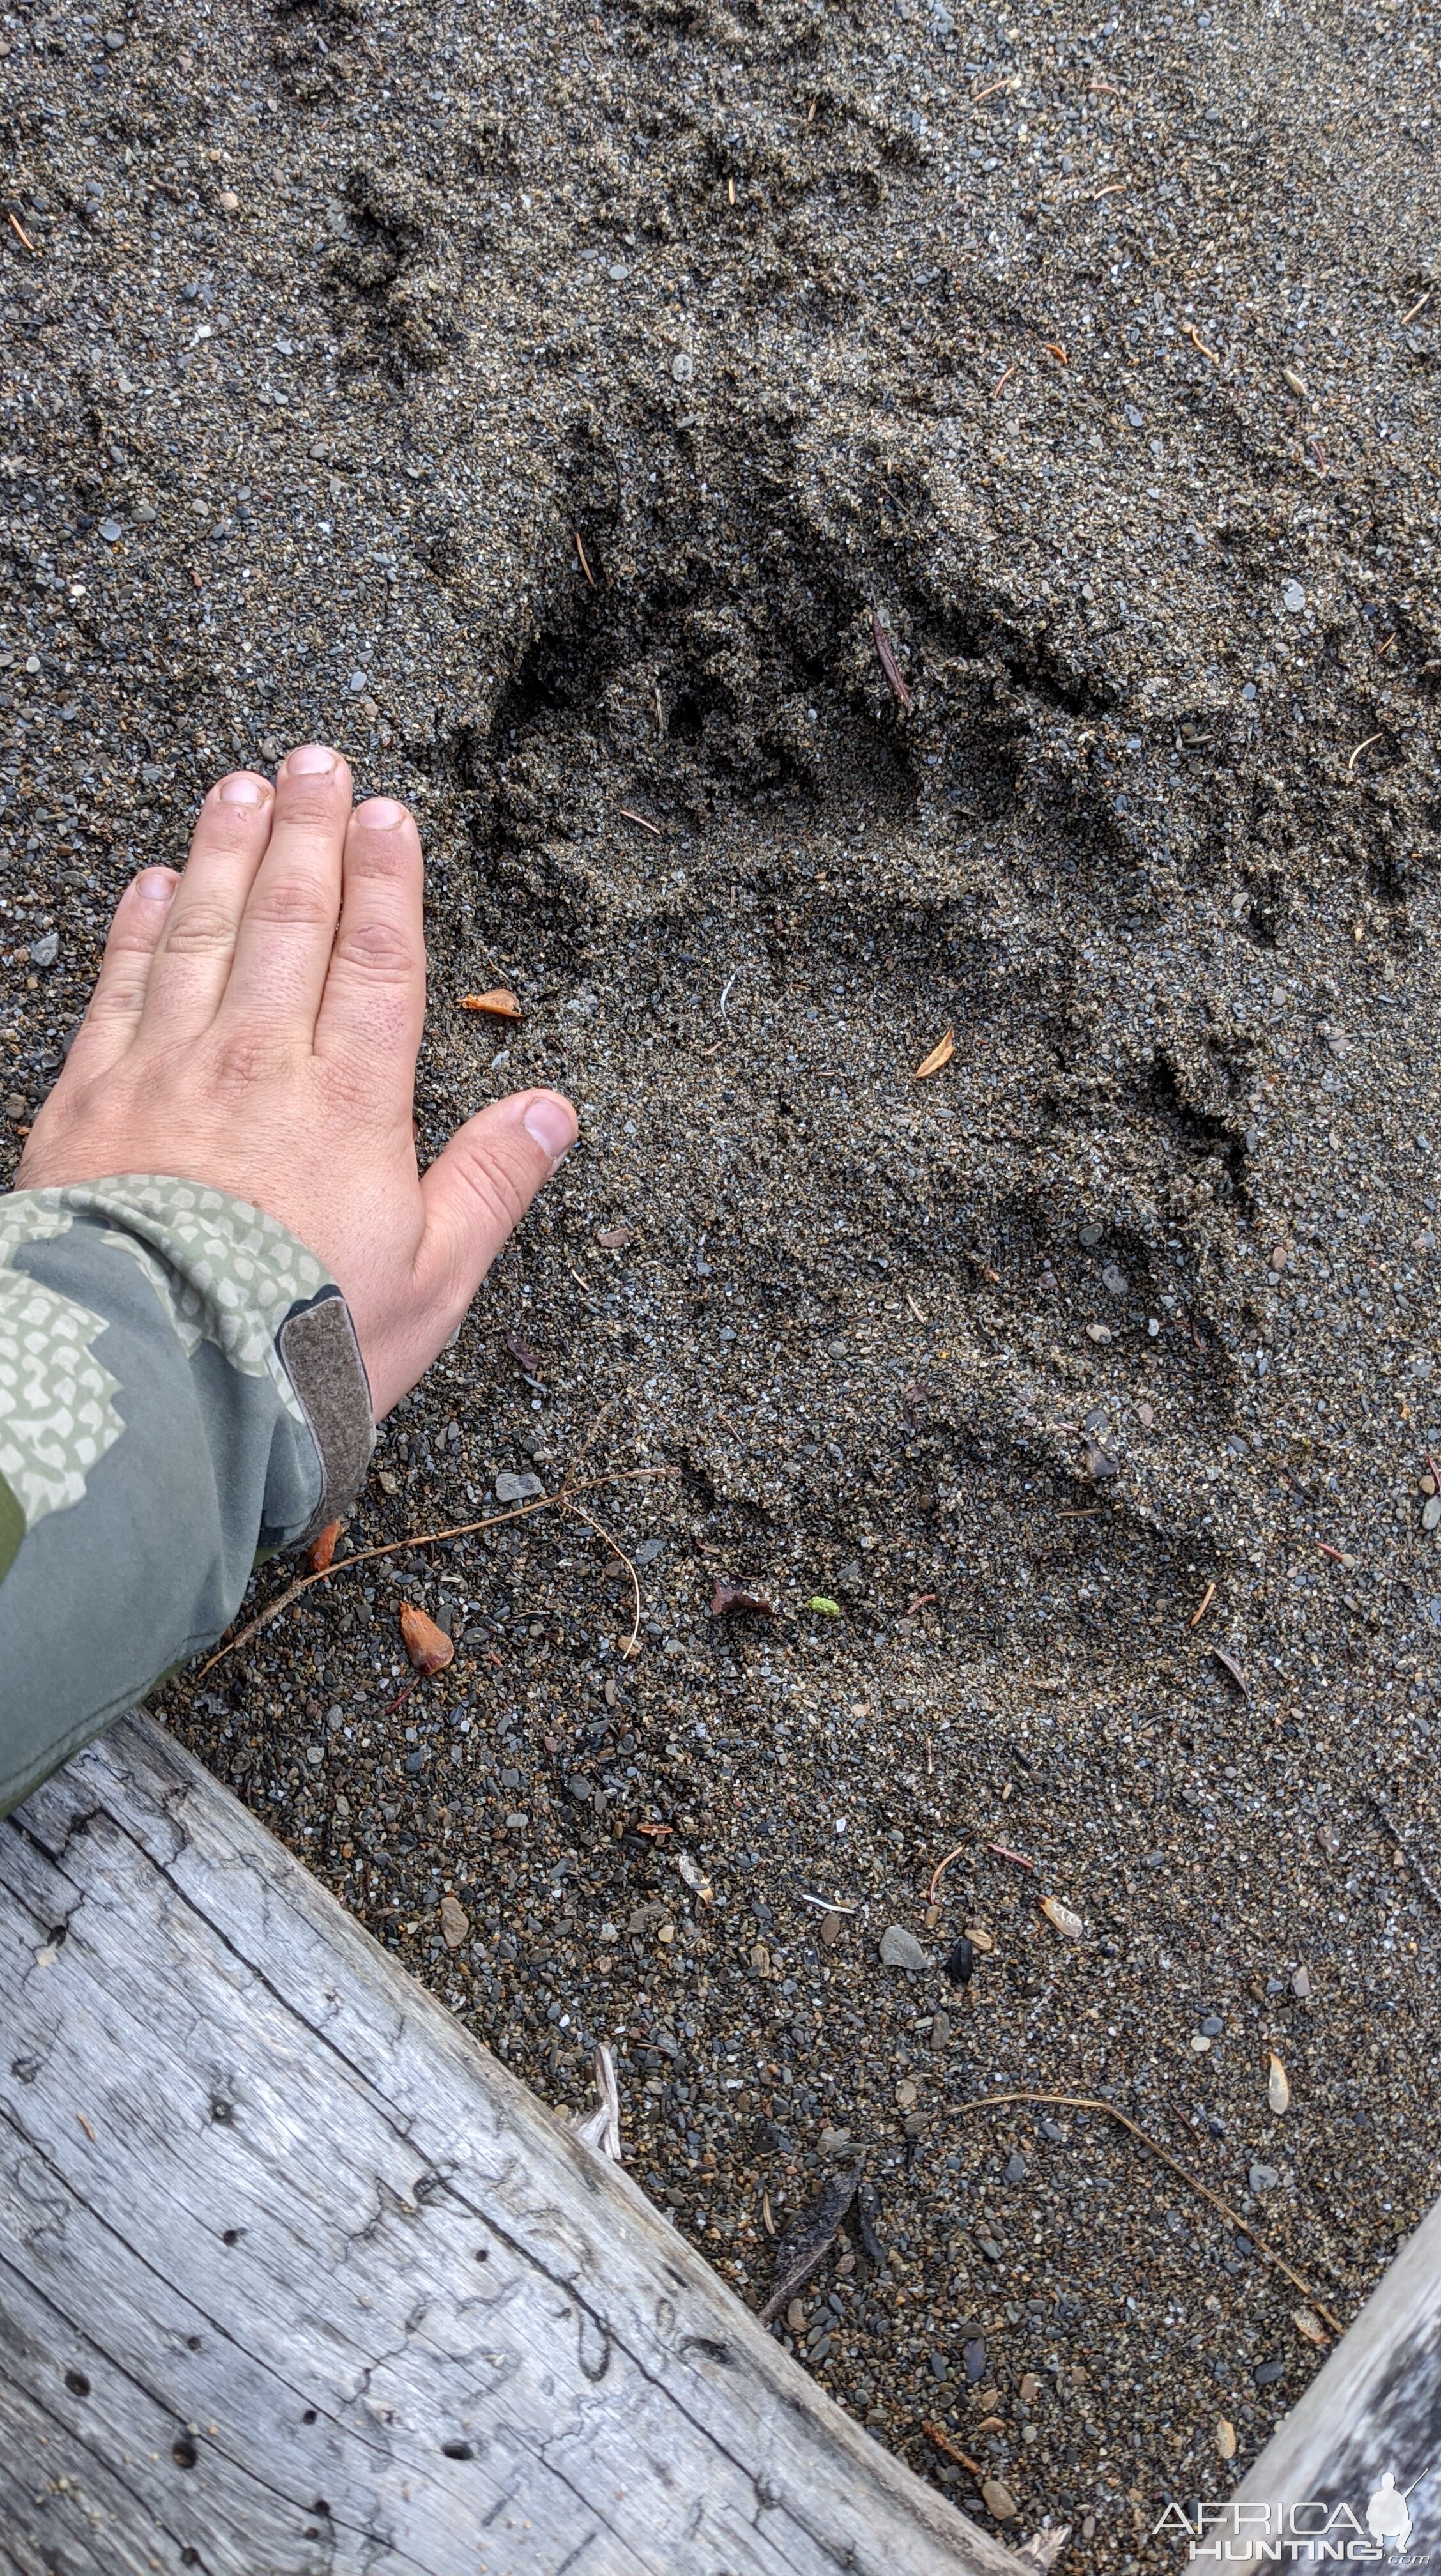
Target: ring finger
191	966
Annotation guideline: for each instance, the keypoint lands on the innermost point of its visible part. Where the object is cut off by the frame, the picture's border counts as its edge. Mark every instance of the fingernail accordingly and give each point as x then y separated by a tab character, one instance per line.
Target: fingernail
380	813
155	885
242	790
312	760
551	1121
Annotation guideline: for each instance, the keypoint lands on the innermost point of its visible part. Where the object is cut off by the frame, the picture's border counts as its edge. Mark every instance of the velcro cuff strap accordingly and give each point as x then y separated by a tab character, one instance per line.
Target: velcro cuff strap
322	1361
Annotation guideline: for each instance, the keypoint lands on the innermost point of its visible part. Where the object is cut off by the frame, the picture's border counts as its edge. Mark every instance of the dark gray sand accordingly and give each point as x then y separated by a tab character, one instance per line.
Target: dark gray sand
539	404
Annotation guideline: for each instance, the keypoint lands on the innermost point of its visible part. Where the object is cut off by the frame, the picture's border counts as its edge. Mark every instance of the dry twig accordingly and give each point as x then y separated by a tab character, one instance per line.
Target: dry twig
1193	2182
937	2433
21	234
941	1867
564	1494
891	667
632	1643
585	568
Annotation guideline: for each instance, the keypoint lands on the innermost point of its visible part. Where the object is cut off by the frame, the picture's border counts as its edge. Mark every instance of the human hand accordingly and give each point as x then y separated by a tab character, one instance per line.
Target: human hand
255	1027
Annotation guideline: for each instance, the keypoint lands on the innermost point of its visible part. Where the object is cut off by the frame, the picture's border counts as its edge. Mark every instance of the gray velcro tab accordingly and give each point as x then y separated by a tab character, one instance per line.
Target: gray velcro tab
322	1361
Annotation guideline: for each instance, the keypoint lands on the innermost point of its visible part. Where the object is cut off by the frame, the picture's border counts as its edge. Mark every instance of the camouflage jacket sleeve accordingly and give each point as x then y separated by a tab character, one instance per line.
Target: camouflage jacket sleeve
181	1391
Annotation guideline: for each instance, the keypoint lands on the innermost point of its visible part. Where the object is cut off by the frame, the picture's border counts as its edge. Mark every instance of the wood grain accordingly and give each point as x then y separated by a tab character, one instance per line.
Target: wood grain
1375	2406
296	2280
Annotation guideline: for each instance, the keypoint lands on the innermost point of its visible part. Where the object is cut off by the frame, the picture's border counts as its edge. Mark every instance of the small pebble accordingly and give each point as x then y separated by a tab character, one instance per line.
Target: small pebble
900	1949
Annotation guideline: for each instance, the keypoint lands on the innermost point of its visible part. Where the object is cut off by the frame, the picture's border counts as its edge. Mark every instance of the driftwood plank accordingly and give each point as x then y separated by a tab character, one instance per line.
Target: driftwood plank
295	2280
1373	2412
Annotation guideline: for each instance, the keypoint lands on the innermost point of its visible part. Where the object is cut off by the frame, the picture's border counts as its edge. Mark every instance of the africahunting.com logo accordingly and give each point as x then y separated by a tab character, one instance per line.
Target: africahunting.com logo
1381	2529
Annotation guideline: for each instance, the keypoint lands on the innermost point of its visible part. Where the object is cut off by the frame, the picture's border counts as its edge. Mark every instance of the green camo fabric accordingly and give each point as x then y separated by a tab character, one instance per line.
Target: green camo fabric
151	1442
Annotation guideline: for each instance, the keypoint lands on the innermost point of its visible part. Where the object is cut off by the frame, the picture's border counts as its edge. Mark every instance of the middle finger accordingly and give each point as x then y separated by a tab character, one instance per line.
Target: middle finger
282	950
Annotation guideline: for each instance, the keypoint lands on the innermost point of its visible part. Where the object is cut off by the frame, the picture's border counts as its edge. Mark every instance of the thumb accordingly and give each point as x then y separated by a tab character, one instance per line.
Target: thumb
476	1192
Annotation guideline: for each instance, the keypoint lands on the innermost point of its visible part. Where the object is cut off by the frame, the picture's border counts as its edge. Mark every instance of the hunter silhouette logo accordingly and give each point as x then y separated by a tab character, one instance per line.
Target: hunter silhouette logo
1388	2514
1311	2532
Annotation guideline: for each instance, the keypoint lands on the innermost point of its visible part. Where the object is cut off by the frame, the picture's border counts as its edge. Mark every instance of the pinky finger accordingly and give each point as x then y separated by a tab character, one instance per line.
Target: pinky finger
109	1024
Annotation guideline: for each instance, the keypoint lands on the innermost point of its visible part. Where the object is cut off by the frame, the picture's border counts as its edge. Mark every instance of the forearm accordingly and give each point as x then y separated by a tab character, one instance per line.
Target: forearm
180	1392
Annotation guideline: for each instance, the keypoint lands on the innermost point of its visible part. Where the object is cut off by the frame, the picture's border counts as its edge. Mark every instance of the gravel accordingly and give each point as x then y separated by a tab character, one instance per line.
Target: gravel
364	327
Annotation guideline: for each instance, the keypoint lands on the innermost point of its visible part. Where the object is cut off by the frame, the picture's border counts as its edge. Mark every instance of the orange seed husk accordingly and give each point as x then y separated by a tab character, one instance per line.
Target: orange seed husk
428	1647
500	1004
320	1554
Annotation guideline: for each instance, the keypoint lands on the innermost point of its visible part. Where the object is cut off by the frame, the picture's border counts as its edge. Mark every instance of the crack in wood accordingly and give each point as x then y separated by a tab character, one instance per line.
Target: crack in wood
262	2246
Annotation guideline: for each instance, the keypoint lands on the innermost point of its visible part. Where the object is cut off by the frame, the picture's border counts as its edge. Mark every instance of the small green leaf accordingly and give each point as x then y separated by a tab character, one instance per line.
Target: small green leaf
823	1605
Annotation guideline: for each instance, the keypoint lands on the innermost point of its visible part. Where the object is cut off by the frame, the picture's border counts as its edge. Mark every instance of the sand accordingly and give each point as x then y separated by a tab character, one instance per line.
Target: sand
572	416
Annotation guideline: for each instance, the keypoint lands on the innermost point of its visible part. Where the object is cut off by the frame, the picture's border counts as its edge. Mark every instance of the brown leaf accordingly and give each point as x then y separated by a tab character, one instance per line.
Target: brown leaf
321	1551
809	2239
733	1596
1229	1664
616	1237
500	1005
523	1356
941	1053
891	667
428	1647
454	1922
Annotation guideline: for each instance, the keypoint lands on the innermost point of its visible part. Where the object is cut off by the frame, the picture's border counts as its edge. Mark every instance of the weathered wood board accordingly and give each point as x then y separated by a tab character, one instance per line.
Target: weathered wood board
295	2280
1374	2410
